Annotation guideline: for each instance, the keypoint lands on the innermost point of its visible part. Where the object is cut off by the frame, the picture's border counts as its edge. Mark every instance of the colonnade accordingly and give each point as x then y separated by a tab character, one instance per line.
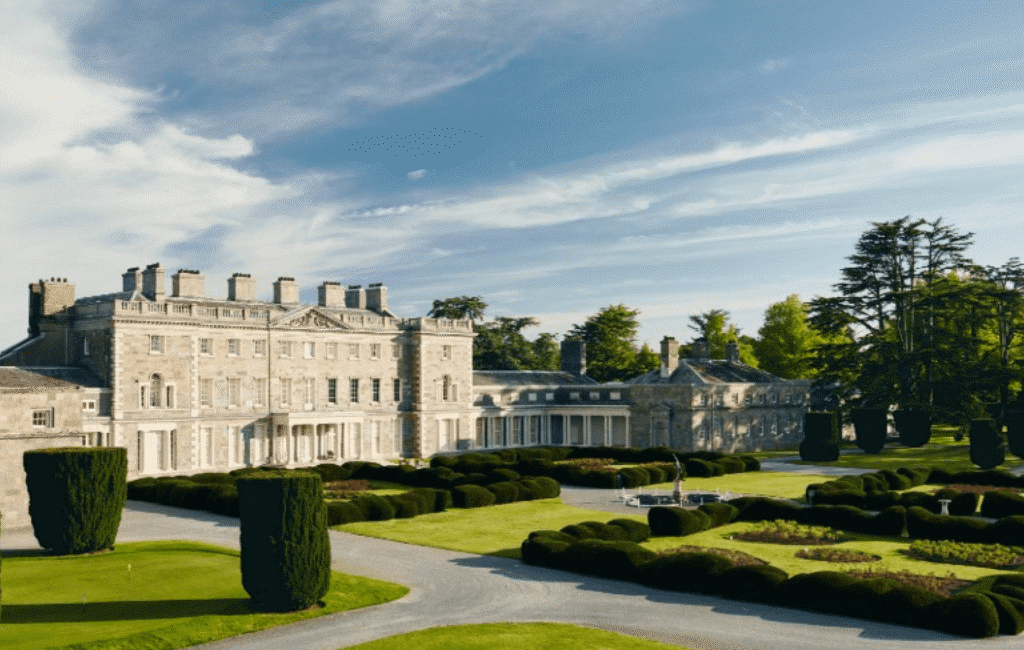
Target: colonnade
546	428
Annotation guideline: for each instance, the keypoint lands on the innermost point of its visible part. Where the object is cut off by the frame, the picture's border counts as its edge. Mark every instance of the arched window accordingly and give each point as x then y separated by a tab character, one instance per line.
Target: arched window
156	389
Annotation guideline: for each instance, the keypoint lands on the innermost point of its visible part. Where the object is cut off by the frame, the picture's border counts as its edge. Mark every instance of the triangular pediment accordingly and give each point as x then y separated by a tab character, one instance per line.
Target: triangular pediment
308	318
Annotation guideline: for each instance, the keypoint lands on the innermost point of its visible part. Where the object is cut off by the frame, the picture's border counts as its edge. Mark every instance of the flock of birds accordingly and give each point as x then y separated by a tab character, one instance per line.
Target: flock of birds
418	144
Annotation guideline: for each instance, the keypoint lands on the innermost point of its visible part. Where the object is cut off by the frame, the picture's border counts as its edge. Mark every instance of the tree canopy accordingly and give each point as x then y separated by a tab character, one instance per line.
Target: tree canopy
610	335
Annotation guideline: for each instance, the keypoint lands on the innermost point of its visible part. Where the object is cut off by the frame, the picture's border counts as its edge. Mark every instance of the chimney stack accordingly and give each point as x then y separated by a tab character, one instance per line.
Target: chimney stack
669	356
355	297
131	280
187	283
377	298
241	287
732	352
286	291
153	286
574	357
331	294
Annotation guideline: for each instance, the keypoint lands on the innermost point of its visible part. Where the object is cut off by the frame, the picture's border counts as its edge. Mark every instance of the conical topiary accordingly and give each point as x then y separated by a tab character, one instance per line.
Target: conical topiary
820	435
913	427
987	451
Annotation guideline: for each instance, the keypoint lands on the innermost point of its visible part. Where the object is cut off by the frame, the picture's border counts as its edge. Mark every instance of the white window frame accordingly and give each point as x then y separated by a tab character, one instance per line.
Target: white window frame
206	347
286	391
157	344
259	391
353	390
375	350
206	393
446	352
234	392
284	349
309	350
332	350
42	418
332	391
234	347
396	350
85	346
310	388
259	347
353	350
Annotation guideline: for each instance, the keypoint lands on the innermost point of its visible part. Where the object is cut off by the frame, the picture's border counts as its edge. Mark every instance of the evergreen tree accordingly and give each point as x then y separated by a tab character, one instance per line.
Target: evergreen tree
787	341
610	335
714	326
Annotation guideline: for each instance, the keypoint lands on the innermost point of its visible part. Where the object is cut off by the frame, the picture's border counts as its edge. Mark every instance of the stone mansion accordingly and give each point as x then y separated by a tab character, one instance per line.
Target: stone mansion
190	383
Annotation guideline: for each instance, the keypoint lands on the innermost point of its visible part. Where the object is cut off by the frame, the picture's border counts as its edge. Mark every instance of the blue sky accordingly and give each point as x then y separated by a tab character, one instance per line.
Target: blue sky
553	157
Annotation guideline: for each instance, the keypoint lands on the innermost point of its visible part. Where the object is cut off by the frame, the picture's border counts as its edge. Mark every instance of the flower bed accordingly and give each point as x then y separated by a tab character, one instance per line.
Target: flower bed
349	489
995	556
944	586
975	489
836	555
789	532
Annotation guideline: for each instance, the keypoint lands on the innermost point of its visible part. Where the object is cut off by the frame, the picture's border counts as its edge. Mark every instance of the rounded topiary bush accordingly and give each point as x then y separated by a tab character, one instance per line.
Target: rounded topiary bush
342	512
820	435
550	486
753	583
720	513
619	560
971	615
676	522
286	552
504	492
913	427
732	465
684	572
871	428
987	450
472	496
634	477
405	507
636	531
76	496
374	508
699	468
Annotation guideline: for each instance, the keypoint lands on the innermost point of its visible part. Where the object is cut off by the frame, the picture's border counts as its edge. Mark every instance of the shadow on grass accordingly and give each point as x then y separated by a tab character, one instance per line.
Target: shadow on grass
27	552
518	570
124	610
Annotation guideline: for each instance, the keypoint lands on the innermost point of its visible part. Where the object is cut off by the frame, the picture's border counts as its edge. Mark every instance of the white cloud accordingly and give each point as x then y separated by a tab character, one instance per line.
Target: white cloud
962	151
771	65
417	175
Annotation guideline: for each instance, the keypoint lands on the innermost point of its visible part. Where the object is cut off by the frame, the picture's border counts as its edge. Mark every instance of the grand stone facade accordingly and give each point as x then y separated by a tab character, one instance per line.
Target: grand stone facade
189	383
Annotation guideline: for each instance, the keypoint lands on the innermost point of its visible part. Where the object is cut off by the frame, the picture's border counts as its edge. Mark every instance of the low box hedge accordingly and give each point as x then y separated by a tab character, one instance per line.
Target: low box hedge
666	521
472	496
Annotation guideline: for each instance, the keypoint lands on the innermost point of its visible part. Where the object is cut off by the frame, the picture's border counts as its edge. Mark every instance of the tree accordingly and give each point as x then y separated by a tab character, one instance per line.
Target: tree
1005	300
714	326
786	341
886	309
610	335
501	345
471	307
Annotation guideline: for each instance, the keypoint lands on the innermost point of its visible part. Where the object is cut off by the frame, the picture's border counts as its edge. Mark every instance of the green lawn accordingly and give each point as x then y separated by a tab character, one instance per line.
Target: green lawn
514	636
782	555
771	484
176	594
494	530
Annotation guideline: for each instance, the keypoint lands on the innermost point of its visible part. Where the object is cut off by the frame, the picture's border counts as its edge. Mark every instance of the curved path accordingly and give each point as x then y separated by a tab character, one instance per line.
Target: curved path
452	588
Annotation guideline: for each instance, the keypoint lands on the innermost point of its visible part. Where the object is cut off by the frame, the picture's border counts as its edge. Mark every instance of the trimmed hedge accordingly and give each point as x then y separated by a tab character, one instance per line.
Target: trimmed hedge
76	496
676	522
914	427
820	436
998	504
286	552
472	496
987	451
871	429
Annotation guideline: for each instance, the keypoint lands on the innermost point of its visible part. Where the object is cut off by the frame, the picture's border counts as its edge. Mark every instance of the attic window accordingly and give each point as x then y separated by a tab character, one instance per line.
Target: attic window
531	397
615	395
549	396
595	396
574	395
42	418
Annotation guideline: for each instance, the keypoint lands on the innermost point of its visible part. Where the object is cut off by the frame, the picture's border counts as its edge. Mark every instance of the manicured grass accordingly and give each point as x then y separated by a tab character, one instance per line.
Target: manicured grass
514	636
770	484
177	594
494	530
782	555
954	456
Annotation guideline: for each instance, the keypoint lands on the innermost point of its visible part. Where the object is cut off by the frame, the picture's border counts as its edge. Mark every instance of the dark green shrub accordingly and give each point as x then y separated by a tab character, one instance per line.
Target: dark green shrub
732	465
699	468
822	591
657	474
212	477
598	478
987	450
541	549
684	572
882	500
998	504
891	522
636	531
286	552
835	495
962	504
342	512
895	480
534	490
917	475
617	560
676	522
634	477
994	477
765	509
502	475
1015	432
374	508
1010	611
598	530
504	492
752	583
922	500
405	508
913	427
76	496
871	428
362	469
820	435
717	469
472	496
941	476
578	532
329	472
720	513
219	498
873	483
752	464
550	486
141	489
970	615
1008	531
922	524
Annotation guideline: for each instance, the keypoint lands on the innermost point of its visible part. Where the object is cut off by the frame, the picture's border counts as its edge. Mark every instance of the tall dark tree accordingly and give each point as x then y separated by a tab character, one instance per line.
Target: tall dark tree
610	335
714	326
501	345
1005	301
471	307
886	308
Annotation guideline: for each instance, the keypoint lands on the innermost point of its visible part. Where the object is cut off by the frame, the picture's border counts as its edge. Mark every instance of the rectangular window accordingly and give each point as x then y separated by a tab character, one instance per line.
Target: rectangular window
156	344
259	348
531	397
615	395
286	392
574	395
332	350
703	399
234	392
143	401
549	397
396	350
353	350
595	396
206	393
375	350
735	398
332	391
89	405
234	347
237	445
172	448
748	400
260	392
206	347
309	350
446	352
42	418
353	390
376	390
310	391
206	447
169	393
398	390
284	349
85	347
